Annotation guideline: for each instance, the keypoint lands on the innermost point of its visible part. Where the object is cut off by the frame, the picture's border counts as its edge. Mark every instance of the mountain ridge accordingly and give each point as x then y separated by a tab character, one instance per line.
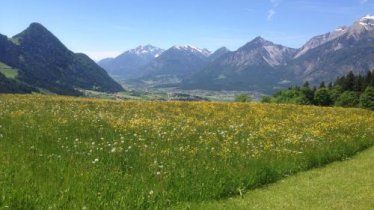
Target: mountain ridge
45	63
129	64
263	64
348	48
178	61
253	62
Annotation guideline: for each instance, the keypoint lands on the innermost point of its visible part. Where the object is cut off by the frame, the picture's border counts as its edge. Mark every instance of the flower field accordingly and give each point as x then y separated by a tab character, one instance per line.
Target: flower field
71	153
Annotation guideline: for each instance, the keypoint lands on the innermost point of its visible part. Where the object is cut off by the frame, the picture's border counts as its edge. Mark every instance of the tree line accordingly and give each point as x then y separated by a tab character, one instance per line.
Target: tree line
347	91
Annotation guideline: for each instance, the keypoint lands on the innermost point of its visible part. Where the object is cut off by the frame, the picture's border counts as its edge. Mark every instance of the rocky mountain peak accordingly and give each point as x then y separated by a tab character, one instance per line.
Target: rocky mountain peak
36	30
146	49
367	20
37	37
363	25
191	49
259	39
255	44
218	53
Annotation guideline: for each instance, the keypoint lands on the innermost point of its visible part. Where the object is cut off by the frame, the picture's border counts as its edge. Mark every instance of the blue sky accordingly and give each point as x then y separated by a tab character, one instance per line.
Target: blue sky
108	27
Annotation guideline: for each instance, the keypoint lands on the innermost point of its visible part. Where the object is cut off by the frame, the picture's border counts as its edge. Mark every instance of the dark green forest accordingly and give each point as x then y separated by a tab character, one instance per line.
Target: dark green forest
14	86
348	91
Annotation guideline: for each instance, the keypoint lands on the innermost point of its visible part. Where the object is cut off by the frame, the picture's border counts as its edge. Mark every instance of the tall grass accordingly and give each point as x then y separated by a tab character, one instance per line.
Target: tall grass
70	153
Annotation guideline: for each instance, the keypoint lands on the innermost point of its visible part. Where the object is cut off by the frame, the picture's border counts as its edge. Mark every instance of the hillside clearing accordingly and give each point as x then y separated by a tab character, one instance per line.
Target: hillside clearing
8	71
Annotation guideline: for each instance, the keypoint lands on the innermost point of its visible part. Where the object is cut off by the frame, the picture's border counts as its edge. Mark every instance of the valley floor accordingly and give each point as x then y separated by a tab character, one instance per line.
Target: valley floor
340	185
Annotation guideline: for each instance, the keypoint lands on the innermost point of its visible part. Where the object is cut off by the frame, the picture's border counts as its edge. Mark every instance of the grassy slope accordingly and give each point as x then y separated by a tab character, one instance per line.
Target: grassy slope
7	71
341	185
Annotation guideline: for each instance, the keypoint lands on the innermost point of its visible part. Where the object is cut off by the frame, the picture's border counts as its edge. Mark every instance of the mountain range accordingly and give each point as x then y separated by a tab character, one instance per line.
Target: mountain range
129	64
336	53
177	61
251	67
152	62
42	63
36	61
264	65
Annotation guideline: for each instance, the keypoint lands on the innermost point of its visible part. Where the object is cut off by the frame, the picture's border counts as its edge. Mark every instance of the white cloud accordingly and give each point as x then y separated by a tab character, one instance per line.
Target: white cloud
270	15
271	12
363	1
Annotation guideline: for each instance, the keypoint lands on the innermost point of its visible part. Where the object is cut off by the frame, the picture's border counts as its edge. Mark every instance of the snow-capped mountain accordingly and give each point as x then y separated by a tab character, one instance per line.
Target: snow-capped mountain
147	50
247	68
128	65
336	53
263	65
259	64
363	25
260	52
178	61
320	40
192	49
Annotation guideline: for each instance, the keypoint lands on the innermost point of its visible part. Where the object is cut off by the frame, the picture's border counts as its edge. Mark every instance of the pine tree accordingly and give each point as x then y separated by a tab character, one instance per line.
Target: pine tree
322	85
307	95
358	83
350	82
330	86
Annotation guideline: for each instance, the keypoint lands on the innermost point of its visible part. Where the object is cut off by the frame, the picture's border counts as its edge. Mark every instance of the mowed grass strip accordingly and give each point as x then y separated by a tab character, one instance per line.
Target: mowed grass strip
346	185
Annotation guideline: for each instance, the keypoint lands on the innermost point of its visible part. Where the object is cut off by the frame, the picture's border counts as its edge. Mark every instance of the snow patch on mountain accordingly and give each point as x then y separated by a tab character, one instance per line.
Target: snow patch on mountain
147	49
368	20
367	17
364	24
192	49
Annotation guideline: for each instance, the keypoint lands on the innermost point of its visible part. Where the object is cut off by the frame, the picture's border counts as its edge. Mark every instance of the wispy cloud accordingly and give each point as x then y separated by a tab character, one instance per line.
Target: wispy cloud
271	12
363	1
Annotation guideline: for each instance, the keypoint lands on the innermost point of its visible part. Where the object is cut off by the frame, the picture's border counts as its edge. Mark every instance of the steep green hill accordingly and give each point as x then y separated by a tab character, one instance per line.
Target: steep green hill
44	62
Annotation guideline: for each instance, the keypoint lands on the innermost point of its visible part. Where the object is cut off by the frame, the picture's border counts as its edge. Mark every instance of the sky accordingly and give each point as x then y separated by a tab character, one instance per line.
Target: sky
106	28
